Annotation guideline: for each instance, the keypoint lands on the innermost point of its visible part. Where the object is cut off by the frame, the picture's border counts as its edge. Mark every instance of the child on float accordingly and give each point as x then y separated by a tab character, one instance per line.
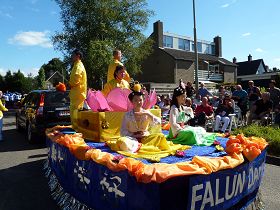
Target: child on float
118	81
180	132
136	140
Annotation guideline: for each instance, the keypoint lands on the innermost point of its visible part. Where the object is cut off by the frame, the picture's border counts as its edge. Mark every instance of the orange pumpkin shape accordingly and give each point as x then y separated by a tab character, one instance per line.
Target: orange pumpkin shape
234	148
242	138
251	153
232	140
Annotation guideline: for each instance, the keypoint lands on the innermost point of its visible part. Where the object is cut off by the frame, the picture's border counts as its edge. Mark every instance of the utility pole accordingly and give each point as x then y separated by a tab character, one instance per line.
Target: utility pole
195	50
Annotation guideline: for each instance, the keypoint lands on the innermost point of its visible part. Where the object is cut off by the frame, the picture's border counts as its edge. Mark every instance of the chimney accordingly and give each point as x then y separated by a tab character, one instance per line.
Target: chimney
234	60
250	58
158	34
218	46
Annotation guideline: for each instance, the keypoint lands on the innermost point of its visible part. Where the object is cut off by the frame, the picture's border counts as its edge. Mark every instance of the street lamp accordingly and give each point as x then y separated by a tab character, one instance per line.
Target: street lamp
195	50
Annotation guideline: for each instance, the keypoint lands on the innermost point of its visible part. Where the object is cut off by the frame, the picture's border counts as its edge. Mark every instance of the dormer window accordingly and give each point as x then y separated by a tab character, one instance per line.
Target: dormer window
184	44
168	41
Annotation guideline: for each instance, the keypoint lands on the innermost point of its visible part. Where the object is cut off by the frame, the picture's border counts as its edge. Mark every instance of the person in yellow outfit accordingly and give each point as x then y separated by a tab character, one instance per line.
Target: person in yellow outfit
117	54
2	108
136	140
77	83
118	81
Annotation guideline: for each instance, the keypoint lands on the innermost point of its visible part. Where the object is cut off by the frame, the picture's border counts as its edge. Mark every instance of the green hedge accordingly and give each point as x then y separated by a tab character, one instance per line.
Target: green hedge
270	134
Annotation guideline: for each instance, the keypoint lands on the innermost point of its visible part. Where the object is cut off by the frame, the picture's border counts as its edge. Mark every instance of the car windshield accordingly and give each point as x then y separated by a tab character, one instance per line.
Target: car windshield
57	98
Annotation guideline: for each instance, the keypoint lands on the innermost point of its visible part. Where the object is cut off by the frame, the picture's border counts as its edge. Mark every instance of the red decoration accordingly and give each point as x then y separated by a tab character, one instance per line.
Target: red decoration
216	142
180	153
60	87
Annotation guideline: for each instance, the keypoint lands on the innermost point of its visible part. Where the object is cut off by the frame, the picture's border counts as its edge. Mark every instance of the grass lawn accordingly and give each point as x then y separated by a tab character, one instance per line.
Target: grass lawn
269	133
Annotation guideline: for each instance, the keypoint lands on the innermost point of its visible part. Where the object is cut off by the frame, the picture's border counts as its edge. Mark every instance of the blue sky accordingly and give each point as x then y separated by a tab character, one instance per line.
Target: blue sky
246	27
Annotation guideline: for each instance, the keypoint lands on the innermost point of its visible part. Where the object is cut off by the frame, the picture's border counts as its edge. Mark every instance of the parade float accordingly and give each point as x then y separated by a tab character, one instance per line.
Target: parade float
84	173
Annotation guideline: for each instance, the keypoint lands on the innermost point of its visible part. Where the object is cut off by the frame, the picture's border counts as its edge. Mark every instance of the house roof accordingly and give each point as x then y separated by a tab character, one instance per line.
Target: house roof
249	67
190	56
56	72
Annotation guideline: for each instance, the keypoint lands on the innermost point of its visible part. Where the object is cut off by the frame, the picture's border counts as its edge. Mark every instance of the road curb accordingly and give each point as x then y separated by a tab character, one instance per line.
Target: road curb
273	160
11	112
9	124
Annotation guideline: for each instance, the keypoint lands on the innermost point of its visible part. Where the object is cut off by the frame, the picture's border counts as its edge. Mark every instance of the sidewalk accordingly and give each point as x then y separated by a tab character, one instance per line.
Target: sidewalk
9	118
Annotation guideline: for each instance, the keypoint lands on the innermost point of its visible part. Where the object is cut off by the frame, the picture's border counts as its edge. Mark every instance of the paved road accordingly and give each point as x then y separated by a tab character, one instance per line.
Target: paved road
270	187
22	183
24	187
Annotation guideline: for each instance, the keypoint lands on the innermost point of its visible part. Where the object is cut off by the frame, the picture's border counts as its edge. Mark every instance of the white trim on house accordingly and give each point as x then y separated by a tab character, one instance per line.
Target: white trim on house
56	72
260	70
257	76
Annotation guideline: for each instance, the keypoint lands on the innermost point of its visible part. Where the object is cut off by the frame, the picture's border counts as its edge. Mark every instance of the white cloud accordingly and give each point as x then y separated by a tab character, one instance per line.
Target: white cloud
228	4
225	5
33	1
2	71
246	34
277	59
33	9
31	38
33	71
259	50
5	14
53	12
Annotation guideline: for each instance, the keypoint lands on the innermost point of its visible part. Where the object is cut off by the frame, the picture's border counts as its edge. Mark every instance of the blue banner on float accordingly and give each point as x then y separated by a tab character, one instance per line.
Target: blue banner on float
102	189
224	189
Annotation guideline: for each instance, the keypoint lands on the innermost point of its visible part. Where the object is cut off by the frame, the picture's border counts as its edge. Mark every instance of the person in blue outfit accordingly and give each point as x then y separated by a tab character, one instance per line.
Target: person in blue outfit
241	97
203	91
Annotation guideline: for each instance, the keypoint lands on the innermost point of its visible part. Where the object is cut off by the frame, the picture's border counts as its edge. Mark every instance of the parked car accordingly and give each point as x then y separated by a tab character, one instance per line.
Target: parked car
42	109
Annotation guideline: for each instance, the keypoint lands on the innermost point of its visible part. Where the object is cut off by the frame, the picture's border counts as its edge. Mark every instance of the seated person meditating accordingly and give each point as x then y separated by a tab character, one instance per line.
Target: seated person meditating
180	133
202	113
222	114
261	108
136	140
118	81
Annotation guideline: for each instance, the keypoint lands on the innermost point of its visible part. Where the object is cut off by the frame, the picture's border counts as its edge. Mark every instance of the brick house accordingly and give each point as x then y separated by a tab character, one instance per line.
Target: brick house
255	70
173	58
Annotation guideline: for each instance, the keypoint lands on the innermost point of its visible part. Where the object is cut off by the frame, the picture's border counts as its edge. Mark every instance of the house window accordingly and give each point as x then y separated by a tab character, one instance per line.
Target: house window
199	46
184	44
214	69
168	41
208	49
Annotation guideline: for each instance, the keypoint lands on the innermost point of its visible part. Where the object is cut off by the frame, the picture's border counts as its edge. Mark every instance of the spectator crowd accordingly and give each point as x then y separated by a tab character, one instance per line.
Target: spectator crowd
10	99
251	105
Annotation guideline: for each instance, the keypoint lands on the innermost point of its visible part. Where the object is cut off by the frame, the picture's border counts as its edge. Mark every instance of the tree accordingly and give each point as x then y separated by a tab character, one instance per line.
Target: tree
52	66
98	27
9	86
30	83
17	82
1	82
41	79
